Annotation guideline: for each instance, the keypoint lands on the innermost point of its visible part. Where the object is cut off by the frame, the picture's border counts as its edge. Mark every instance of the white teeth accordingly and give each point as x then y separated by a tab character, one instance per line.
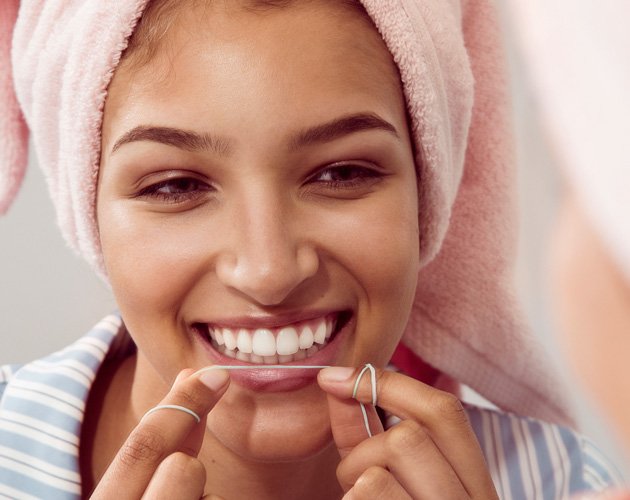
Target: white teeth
264	343
287	341
241	356
320	333
271	360
291	343
306	337
229	339
218	336
244	341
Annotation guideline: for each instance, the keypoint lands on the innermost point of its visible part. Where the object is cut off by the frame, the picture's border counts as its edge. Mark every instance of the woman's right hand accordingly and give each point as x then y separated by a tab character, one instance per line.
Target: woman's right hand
159	458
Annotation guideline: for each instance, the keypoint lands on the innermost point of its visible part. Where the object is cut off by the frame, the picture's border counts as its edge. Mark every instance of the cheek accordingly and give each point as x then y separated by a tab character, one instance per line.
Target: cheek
380	249
383	245
151	262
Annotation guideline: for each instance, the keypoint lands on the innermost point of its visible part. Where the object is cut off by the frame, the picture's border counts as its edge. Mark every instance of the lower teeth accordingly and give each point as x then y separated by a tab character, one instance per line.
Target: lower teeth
267	360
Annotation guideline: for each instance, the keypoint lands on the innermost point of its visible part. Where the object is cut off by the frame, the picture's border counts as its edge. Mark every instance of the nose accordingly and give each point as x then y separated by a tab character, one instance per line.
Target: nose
267	257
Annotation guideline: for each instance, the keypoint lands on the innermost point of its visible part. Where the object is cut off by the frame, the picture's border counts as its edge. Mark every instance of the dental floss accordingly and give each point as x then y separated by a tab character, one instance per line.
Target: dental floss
261	367
174	407
368	366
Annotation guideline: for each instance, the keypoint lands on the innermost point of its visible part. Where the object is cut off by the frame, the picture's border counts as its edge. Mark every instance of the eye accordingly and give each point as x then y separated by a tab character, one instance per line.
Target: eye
346	176
175	190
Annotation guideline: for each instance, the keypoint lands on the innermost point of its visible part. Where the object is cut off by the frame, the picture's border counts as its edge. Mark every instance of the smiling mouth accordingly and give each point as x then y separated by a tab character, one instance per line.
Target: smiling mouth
269	346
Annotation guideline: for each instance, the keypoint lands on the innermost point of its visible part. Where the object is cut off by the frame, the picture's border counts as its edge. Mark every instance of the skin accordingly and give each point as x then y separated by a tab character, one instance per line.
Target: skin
261	229
592	309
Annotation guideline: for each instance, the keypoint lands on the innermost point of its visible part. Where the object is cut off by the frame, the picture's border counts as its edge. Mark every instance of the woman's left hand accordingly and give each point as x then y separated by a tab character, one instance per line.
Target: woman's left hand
433	453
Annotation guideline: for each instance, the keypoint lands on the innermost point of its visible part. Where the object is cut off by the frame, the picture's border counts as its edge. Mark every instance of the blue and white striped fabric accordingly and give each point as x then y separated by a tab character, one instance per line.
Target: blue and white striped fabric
41	411
42	406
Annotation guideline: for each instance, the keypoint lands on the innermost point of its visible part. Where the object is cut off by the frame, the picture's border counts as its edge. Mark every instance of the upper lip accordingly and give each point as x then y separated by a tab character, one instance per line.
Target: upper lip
253	322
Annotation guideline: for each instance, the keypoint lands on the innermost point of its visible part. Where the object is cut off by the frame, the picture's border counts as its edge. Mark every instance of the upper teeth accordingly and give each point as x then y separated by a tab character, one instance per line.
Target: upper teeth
266	342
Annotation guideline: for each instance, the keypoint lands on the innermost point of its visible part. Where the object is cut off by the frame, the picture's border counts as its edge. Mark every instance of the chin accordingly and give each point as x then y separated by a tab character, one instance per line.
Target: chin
279	427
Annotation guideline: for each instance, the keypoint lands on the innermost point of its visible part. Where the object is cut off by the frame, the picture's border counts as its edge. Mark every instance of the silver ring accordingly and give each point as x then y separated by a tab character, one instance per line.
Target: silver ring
174	407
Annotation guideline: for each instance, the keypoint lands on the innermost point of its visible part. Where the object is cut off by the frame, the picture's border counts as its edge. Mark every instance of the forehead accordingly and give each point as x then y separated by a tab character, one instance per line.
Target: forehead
292	58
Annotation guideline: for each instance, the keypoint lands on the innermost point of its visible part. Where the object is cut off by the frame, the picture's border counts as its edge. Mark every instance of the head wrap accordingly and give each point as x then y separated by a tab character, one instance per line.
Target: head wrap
465	321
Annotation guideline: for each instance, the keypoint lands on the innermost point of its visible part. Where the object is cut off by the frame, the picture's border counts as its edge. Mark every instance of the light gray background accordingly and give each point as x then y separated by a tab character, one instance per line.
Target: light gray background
48	297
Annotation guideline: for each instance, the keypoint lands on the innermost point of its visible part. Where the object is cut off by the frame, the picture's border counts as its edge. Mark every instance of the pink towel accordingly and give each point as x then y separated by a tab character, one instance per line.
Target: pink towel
13	129
465	321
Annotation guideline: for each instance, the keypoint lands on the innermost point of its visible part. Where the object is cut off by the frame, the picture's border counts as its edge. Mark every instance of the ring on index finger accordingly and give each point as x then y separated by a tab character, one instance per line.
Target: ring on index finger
174	407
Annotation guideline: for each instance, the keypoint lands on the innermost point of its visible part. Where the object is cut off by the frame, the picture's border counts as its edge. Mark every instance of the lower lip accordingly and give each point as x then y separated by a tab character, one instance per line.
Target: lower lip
277	380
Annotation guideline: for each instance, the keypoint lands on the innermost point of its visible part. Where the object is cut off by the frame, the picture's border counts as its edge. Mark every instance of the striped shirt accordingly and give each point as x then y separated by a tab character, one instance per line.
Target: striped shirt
42	405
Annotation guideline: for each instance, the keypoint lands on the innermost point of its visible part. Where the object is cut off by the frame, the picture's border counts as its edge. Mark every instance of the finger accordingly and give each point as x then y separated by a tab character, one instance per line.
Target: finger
410	455
161	433
348	425
441	413
377	482
178	476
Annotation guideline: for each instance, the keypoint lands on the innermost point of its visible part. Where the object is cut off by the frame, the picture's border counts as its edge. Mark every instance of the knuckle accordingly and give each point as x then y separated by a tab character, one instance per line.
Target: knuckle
188	398
406	438
184	468
345	474
449	407
373	483
145	445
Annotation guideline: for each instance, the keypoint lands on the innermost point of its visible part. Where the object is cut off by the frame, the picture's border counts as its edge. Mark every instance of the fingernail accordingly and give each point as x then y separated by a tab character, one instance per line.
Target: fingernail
337	374
214	379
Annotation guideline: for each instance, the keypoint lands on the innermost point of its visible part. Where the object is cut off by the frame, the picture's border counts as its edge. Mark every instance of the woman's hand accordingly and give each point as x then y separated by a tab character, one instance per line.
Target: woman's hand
159	459
433	453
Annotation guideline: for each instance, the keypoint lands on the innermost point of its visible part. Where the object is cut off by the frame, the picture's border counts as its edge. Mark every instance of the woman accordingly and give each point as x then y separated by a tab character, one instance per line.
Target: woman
265	190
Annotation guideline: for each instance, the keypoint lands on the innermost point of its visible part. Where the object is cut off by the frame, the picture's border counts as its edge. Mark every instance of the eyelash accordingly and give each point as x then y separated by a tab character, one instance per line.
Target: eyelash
154	192
365	175
359	176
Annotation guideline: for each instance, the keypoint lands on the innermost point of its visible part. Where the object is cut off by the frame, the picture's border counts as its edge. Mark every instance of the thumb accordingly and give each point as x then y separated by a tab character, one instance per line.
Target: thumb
346	418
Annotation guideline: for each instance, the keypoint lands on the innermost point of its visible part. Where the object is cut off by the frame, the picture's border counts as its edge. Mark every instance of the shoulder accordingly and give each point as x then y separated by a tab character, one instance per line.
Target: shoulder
42	406
529	458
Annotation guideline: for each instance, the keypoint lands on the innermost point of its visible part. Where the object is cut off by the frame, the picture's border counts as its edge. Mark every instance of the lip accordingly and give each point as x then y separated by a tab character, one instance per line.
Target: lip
277	380
269	321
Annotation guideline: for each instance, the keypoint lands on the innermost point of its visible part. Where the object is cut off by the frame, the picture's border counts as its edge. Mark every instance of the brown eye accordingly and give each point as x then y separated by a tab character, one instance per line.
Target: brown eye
346	175
179	186
175	190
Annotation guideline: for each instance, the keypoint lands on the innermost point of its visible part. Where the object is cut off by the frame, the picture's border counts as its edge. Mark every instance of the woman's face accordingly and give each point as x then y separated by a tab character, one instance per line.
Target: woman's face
257	182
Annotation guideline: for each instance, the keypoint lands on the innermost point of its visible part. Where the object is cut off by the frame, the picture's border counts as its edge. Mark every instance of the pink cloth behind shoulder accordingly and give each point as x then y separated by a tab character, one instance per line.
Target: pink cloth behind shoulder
465	321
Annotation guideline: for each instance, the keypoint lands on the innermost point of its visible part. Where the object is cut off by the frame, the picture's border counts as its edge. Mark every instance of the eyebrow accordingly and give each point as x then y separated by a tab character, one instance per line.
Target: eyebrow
194	141
182	139
340	127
